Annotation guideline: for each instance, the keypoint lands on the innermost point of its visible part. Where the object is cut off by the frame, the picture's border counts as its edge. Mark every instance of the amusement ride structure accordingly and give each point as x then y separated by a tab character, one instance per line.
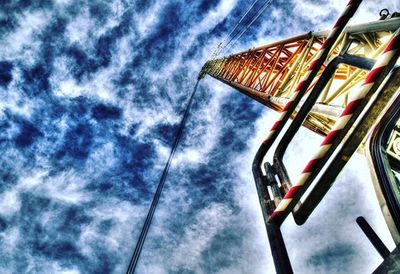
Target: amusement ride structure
343	84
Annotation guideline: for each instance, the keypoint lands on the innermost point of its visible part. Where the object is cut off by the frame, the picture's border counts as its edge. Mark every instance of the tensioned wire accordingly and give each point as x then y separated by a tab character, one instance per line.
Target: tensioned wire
143	234
139	245
254	18
218	47
224	48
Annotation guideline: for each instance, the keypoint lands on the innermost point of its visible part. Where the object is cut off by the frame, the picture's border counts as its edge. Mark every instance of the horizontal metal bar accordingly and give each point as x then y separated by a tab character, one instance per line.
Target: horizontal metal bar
328	110
374	26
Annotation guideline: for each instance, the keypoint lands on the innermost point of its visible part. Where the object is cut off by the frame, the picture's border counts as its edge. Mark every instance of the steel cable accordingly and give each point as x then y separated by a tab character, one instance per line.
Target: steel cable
241	19
139	245
217	49
234	39
143	234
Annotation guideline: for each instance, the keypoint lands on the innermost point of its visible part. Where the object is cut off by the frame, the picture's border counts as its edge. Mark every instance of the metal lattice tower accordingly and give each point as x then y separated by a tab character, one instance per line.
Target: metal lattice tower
343	84
270	73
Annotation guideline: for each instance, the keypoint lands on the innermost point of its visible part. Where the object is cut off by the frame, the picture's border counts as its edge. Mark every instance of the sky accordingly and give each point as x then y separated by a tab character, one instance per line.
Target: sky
91	95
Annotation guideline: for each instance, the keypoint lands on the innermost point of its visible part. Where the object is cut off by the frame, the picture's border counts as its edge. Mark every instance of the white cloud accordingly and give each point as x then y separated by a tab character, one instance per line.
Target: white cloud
199	235
10	203
24	45
114	222
147	21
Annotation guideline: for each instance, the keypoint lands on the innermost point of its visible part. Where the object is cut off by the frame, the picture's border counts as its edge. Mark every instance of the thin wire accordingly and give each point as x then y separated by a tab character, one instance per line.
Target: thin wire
241	19
156	198
255	17
219	45
143	234
260	11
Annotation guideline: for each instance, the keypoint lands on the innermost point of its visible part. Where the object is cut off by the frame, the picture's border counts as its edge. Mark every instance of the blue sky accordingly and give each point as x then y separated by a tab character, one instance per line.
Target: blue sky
91	94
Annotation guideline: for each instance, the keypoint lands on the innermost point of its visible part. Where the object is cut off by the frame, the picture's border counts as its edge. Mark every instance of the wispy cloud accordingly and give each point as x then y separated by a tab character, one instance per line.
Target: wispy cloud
91	96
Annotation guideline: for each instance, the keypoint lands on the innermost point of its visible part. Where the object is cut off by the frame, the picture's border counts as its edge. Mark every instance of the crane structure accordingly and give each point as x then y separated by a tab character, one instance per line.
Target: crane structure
269	73
343	84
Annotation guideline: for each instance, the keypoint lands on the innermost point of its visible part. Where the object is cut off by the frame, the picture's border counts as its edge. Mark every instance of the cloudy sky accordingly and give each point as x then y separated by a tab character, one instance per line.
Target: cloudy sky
91	94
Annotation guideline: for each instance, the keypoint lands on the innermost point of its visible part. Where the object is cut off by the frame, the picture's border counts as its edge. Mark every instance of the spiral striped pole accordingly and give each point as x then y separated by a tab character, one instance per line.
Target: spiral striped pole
300	90
310	74
312	69
382	67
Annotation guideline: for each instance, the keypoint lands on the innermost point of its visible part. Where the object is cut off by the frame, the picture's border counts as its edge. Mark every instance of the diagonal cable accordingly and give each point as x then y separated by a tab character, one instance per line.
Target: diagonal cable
156	198
234	39
220	45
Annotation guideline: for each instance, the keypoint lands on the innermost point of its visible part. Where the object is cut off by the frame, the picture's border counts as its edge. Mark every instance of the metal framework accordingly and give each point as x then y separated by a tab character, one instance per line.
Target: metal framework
270	73
336	83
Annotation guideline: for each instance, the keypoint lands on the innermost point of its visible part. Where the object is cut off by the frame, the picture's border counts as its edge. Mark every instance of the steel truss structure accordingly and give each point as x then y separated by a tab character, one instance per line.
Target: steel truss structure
270	73
337	84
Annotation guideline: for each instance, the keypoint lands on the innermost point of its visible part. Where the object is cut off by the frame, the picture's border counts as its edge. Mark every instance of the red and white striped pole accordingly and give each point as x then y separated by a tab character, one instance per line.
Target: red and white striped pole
300	90
382	66
313	69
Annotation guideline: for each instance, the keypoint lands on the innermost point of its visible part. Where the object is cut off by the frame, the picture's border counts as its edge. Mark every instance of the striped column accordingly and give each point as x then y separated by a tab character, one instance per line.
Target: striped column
312	71
384	63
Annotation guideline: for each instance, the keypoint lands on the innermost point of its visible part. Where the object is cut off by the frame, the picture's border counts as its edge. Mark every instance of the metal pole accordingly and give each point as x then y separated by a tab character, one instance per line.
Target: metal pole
373	237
